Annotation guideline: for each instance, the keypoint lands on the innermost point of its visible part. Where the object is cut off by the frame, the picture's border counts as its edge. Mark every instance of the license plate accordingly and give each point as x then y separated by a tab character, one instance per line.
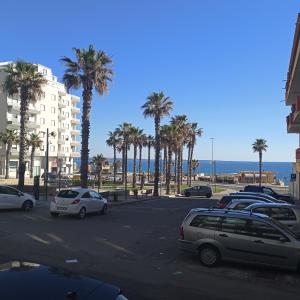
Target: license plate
61	208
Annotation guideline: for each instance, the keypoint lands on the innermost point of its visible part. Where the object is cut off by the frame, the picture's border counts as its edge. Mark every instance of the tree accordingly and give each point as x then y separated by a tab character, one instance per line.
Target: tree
193	133
98	161
91	70
150	144
24	79
195	164
123	131
8	138
157	106
259	146
114	141
142	143
34	142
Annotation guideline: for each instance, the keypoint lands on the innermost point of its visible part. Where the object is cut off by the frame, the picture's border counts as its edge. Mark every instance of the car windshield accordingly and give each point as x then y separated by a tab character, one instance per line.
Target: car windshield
67	194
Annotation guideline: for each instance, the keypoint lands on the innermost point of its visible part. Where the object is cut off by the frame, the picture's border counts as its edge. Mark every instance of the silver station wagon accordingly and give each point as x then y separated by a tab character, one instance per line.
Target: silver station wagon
216	235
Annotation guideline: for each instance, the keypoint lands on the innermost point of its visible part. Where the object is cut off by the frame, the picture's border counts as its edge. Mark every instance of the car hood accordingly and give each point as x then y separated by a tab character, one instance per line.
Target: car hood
24	280
28	196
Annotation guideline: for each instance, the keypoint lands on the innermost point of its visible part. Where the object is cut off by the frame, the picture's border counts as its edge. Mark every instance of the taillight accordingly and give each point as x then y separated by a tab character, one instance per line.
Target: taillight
181	233
221	205
76	201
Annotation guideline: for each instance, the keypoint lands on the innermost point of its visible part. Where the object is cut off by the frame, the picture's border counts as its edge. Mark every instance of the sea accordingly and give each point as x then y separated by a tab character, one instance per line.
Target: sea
282	170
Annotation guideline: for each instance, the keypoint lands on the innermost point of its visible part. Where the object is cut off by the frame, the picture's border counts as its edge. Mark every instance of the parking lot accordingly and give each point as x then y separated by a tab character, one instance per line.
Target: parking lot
135	247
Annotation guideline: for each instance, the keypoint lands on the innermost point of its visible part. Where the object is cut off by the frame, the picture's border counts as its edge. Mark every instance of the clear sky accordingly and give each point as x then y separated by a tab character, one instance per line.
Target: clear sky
223	63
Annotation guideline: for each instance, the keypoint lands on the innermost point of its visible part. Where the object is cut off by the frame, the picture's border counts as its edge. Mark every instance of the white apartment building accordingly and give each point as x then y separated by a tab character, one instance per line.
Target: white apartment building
55	110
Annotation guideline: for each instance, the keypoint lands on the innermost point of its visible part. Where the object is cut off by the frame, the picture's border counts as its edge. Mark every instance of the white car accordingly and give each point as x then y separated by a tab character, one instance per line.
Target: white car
77	201
13	198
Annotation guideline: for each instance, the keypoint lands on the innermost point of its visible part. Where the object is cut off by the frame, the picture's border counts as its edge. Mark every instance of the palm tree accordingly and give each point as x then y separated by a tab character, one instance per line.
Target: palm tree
8	138
259	146
157	106
164	145
114	141
98	161
34	142
180	123
24	79
195	164
142	143
150	143
123	131
91	70
193	133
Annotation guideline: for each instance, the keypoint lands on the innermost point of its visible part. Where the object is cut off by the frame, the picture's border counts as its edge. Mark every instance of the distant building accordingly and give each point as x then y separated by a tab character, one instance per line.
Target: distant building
253	177
292	98
55	110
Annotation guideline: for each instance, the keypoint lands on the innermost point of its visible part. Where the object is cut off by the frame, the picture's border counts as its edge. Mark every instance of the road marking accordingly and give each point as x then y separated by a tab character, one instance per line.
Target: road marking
38	239
113	245
55	237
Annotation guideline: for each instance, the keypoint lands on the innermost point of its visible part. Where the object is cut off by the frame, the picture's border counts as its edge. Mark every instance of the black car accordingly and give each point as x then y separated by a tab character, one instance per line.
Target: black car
23	280
199	190
268	191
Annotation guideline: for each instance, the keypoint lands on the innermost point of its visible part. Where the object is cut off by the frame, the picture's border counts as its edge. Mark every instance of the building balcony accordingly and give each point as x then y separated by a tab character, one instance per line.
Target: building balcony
13	105
32	124
292	125
62	129
75	143
61	153
75	99
75	132
13	124
75	110
33	110
61	104
61	141
75	154
62	117
75	121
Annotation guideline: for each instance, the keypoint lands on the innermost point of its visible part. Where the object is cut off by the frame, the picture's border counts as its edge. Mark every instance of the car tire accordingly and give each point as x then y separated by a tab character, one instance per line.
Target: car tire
208	195
209	256
104	210
187	194
27	205
82	213
54	214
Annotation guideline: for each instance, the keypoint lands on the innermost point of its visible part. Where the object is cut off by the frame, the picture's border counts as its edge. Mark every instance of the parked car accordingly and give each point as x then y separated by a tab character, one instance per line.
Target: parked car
286	214
24	280
240	204
13	198
227	198
268	191
218	234
199	190
77	201
266	196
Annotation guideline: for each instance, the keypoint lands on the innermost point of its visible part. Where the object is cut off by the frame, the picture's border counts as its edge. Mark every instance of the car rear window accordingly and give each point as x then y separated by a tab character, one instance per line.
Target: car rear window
208	222
67	194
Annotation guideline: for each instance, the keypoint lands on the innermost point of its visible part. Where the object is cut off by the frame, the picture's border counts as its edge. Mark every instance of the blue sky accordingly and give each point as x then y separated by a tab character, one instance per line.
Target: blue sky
223	63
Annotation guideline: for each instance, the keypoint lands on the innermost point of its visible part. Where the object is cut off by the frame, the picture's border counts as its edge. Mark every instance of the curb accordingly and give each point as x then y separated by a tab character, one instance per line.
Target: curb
133	201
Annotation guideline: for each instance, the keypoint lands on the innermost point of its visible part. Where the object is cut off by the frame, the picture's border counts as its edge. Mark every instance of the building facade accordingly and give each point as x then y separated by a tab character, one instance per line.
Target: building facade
56	111
292	99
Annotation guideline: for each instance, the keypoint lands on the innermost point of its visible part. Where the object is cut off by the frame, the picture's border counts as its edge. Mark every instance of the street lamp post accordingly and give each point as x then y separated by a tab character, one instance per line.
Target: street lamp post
212	162
47	162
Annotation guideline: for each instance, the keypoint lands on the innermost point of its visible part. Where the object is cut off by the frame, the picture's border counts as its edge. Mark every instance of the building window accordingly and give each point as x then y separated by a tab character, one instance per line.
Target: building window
52	122
52	148
67	114
53	110
67	102
42	107
42	148
44	72
53	97
42	134
42	121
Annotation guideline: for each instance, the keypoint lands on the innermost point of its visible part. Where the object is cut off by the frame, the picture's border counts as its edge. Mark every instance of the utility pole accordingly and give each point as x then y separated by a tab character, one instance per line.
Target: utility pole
212	159
47	165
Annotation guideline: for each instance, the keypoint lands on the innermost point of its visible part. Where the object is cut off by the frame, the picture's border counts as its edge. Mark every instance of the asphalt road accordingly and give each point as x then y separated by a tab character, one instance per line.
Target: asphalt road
135	247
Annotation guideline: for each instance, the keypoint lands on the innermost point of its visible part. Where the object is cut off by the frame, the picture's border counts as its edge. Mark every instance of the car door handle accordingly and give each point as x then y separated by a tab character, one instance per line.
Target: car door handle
223	235
259	242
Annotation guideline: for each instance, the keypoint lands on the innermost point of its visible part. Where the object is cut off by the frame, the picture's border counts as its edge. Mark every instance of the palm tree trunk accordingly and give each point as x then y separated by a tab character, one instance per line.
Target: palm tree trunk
123	164
178	172
190	166
157	154
100	178
165	163
140	162
32	161
85	133
115	162
260	167
134	166
169	167
22	164
181	166
148	165
7	158
175	166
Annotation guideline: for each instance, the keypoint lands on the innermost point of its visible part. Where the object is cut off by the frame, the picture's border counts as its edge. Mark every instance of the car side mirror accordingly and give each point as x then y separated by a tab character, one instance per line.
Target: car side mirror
20	194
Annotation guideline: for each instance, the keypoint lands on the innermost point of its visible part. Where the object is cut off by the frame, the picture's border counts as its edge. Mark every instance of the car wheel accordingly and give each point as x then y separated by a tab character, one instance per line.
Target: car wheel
54	214
208	195
82	213
27	205
209	255
187	194
104	210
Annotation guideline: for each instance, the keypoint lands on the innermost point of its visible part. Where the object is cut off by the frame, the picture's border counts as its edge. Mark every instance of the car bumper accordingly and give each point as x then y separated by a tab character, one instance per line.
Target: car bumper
186	246
69	209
